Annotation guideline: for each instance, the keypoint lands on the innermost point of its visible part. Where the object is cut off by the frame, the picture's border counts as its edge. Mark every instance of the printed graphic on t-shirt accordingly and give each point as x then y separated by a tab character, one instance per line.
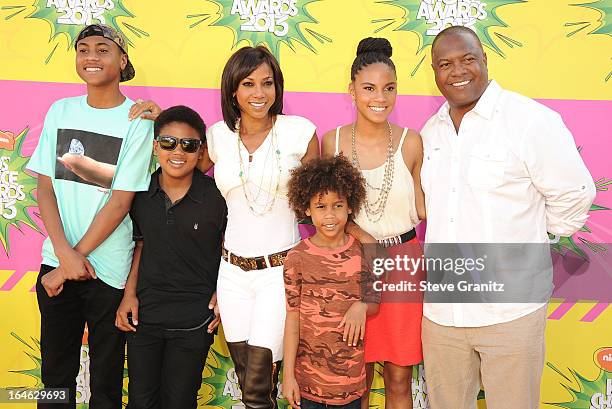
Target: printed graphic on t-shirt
86	157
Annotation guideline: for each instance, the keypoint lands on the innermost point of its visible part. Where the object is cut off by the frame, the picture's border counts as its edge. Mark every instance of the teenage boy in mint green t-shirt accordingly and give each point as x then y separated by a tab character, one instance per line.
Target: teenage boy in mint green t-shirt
90	162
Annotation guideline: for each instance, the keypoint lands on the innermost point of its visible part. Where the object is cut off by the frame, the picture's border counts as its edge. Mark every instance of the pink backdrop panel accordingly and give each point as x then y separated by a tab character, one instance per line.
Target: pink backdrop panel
27	103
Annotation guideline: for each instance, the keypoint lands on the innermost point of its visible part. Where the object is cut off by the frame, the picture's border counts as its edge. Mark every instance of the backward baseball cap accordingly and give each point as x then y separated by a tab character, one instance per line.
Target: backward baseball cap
110	33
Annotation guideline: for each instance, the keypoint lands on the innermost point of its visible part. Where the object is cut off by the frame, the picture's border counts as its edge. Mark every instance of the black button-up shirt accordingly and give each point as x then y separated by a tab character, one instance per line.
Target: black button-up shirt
181	251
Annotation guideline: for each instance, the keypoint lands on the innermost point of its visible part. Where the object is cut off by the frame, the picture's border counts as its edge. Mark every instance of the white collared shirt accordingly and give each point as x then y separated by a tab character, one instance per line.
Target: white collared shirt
510	175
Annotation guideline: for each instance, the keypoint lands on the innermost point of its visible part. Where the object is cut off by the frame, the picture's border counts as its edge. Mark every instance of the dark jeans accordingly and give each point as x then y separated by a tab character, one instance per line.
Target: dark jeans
308	404
62	321
165	366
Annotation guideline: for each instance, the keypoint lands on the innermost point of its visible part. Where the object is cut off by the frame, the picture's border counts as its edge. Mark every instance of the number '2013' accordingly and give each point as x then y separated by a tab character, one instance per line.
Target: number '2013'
79	15
266	22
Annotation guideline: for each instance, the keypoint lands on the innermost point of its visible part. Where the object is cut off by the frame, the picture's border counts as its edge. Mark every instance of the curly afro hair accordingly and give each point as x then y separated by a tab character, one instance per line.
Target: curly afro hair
319	176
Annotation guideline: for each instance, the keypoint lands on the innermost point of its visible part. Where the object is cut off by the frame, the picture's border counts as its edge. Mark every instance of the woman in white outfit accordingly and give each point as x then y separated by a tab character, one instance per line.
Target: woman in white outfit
253	150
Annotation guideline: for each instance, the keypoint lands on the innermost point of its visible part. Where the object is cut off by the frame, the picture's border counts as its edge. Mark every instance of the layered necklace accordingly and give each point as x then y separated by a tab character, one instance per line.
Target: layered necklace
253	201
374	210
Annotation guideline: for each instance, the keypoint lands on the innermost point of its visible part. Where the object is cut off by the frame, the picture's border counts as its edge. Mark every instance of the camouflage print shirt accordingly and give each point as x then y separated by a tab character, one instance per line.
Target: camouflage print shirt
321	284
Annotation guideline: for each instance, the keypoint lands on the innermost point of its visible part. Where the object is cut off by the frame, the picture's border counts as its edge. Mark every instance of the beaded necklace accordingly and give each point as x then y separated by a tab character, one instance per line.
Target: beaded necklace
253	203
375	210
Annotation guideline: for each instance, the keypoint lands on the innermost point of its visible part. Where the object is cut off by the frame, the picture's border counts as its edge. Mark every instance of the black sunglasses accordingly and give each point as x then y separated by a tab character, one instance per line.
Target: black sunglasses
169	143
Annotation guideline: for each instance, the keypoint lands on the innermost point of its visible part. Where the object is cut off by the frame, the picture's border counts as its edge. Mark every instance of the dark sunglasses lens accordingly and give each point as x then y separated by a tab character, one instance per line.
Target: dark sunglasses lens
167	143
190	145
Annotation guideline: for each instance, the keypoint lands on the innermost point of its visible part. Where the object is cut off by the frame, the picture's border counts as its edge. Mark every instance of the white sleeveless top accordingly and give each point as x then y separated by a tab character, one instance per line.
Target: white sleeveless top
400	214
248	234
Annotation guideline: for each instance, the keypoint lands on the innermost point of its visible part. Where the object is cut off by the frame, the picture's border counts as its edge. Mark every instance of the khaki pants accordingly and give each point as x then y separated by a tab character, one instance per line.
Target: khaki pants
507	358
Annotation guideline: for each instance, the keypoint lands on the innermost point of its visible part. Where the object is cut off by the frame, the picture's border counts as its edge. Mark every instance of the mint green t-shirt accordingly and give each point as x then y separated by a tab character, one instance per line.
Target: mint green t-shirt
87	153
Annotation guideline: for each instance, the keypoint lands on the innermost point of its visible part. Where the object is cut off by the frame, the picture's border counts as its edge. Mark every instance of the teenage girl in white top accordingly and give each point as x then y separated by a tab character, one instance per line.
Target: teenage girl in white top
254	149
390	159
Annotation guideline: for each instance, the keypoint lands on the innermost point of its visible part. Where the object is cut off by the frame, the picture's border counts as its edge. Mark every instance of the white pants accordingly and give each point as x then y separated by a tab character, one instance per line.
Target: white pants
252	306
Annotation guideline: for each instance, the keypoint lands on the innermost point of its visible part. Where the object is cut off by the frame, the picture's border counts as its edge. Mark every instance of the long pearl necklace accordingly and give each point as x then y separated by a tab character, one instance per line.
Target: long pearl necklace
253	203
375	210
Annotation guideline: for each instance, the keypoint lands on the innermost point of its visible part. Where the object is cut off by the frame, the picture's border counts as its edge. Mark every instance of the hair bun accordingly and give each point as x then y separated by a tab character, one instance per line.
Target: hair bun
375	45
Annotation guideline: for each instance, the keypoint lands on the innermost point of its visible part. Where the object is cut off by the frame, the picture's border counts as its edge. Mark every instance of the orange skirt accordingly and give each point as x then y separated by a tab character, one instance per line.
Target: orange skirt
394	333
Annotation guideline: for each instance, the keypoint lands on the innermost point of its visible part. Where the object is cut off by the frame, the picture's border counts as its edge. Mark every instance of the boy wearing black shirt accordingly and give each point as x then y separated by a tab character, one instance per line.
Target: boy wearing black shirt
170	293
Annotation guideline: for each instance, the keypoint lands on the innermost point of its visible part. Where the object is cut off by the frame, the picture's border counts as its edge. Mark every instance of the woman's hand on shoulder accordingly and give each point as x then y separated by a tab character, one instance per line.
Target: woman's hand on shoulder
145	110
359	234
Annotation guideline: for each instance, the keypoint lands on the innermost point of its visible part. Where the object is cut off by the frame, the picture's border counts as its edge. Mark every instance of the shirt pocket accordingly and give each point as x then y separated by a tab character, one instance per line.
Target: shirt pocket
486	166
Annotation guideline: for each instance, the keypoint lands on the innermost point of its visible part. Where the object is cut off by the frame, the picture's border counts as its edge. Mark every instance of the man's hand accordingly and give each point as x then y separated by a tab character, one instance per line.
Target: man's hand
212	305
291	390
75	266
129	304
354	323
53	282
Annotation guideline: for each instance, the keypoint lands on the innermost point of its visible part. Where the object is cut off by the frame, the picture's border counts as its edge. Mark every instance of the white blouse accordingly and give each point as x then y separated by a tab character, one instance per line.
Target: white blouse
248	233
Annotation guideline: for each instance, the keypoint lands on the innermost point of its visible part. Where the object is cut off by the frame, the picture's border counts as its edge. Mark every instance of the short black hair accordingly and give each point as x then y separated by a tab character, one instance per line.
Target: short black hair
181	114
323	175
238	67
456	30
372	50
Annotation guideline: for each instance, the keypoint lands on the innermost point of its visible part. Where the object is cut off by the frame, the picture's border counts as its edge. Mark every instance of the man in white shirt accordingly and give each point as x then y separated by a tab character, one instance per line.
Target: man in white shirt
498	168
